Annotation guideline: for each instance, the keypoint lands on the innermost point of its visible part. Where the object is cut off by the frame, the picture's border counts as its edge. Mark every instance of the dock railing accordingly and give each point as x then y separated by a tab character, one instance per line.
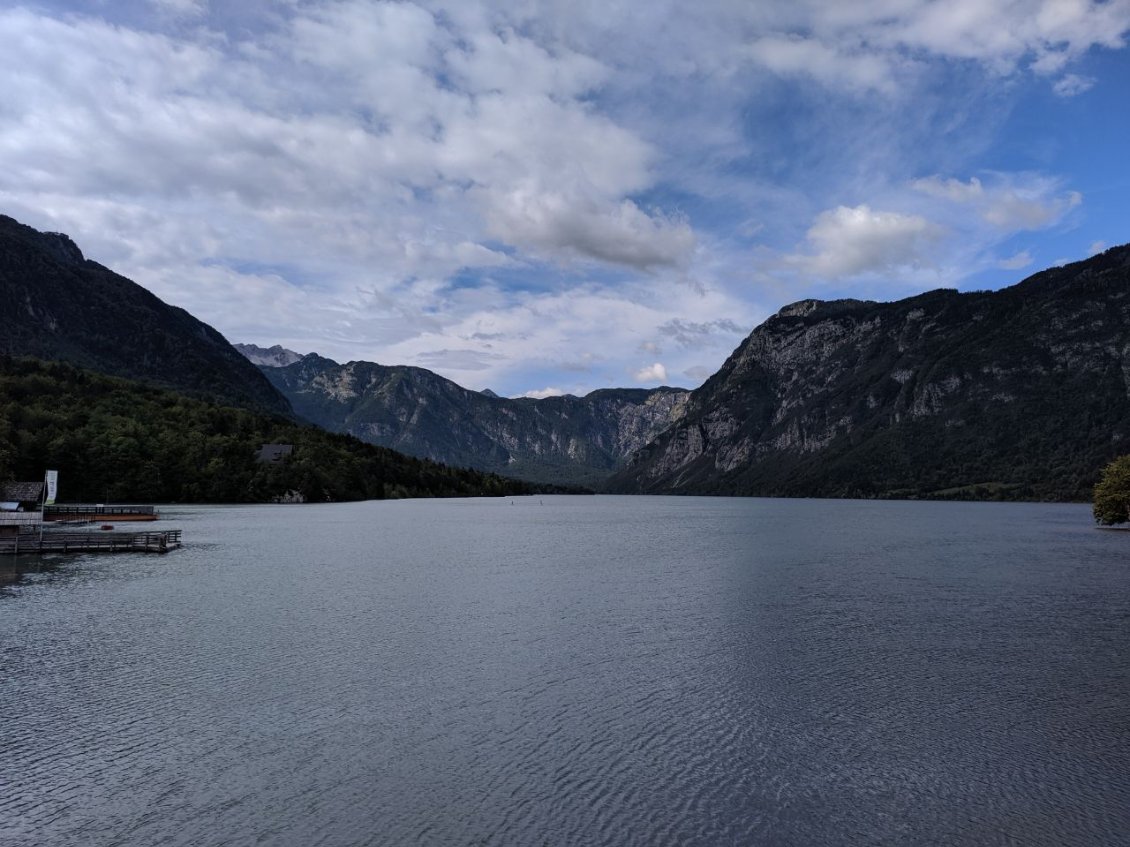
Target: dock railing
99	511
32	543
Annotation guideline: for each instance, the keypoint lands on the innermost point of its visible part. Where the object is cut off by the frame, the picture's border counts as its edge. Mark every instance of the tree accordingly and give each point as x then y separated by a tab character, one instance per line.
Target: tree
1112	494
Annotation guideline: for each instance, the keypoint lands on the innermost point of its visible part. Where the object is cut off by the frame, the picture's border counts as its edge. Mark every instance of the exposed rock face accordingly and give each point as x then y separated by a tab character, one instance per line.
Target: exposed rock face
568	440
271	357
56	304
1019	393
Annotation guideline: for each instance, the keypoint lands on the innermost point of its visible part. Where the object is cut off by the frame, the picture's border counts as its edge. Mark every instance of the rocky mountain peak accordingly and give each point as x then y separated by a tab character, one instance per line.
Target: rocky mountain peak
798	309
565	439
1021	393
268	357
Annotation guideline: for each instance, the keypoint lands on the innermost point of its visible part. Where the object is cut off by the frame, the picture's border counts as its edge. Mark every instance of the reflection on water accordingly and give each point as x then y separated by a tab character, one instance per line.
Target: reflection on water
591	670
14	568
25	570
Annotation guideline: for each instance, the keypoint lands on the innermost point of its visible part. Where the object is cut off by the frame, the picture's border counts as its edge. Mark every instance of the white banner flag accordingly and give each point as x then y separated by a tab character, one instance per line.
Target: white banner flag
52	488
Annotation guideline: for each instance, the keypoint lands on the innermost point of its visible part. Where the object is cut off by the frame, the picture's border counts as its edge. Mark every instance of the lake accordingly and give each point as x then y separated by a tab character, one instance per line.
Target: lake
574	671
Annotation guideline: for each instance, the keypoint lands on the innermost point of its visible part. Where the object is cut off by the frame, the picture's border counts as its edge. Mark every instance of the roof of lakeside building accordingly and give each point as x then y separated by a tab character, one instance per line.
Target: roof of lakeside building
21	492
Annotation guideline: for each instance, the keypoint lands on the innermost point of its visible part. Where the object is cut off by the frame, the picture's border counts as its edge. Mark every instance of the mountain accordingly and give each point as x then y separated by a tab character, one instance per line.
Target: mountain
116	440
56	304
565	440
1022	393
271	357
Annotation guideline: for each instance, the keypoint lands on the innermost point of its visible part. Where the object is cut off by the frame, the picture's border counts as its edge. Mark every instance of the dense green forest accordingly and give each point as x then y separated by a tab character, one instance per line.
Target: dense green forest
113	440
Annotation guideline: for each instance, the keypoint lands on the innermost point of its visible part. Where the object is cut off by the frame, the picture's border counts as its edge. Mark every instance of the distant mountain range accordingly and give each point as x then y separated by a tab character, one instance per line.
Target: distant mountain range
56	304
565	440
1022	393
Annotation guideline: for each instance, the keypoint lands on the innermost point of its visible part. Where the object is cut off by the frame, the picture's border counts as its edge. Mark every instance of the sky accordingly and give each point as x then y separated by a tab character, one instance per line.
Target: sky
554	197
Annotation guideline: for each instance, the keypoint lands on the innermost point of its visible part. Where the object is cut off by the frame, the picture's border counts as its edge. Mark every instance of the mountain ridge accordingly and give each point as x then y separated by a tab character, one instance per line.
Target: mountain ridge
58	305
565	439
1019	393
275	357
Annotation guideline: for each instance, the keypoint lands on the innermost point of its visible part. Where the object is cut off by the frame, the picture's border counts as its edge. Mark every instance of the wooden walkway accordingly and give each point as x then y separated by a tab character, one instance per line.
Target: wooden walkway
90	542
65	512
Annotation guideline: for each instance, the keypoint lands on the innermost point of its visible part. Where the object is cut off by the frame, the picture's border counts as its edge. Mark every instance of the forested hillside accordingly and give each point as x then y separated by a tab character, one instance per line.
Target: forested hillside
56	304
116	440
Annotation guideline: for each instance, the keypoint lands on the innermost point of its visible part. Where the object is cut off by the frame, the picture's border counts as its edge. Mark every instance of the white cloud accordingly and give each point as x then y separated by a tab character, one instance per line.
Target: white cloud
1049	33
699	373
705	334
181	8
542	393
1012	203
554	224
1096	248
1017	261
794	55
122	113
861	46
464	359
501	61
1019	210
530	334
1071	85
652	373
951	189
849	241
489	188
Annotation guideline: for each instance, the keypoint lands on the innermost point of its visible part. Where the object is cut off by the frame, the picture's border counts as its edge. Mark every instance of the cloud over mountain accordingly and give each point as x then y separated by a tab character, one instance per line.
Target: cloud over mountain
397	181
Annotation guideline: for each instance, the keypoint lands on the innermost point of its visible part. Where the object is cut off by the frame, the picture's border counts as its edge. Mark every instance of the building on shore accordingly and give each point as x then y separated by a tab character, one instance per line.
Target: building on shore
21	507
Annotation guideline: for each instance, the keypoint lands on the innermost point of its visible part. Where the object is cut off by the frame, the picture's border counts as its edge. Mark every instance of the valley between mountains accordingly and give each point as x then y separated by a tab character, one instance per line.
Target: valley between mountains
1021	393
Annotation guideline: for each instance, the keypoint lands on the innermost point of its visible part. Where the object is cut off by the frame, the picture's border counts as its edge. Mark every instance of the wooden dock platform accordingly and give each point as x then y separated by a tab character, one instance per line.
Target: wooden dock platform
74	512
29	543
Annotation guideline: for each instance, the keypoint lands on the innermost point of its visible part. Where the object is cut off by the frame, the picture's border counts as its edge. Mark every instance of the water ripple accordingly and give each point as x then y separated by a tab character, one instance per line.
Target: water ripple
632	671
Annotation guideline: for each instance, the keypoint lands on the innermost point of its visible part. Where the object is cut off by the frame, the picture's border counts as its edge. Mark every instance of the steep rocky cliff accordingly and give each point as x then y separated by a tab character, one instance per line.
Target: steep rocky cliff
275	357
1022	393
56	304
568	440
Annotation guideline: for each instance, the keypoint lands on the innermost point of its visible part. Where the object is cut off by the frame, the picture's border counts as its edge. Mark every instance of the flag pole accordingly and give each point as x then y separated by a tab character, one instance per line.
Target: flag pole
42	511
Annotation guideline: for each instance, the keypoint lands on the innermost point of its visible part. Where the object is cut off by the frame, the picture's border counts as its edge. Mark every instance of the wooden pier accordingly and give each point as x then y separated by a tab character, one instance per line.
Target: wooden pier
74	512
30	543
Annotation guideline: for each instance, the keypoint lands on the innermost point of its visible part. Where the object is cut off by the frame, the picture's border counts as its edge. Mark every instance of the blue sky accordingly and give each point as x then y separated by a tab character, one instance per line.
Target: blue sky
547	197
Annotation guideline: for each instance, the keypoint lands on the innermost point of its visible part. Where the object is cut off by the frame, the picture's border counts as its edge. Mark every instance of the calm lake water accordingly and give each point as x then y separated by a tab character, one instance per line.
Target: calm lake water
571	671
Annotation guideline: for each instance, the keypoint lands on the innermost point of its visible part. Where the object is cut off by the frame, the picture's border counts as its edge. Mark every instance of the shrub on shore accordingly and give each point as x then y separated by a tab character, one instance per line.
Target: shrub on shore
1112	494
